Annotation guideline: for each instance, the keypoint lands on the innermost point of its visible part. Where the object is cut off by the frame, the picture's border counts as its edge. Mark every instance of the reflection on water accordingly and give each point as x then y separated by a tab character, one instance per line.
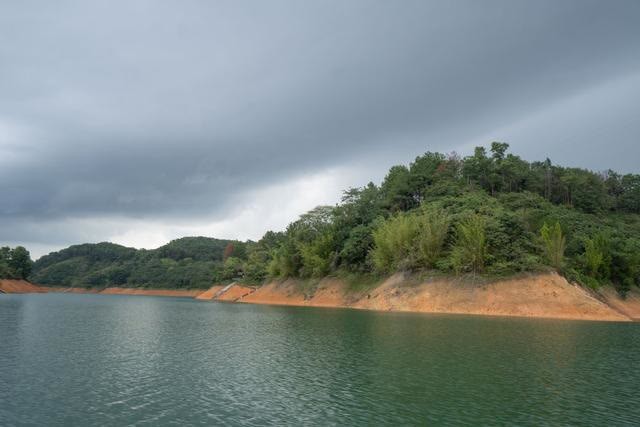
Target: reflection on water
97	359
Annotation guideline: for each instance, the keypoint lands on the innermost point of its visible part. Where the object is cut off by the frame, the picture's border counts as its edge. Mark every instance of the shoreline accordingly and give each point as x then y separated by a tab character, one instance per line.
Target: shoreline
185	293
547	296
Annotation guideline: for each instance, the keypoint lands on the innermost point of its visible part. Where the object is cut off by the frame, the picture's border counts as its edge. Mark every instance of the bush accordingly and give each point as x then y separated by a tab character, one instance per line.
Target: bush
317	256
433	227
554	244
470	250
393	243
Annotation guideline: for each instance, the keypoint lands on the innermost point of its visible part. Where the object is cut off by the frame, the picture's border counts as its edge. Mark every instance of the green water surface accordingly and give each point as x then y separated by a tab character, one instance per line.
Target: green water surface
131	360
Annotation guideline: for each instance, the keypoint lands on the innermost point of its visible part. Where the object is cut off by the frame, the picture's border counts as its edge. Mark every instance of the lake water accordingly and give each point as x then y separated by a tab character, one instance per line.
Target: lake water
130	360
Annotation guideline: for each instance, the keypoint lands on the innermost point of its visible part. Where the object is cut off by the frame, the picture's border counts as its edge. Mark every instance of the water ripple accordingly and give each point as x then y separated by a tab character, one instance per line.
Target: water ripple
121	360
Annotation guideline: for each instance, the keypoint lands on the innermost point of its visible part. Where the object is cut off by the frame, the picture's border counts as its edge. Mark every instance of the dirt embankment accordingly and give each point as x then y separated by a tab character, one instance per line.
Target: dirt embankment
542	295
10	286
629	306
545	295
210	293
234	293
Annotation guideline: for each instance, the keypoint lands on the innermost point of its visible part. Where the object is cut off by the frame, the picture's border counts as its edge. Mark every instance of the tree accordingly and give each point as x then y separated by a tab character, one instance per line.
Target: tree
393	243
285	262
356	247
20	262
584	190
498	150
470	250
317	256
6	272
476	168
359	206
433	226
554	244
629	199
233	268
593	257
597	256
424	172
396	190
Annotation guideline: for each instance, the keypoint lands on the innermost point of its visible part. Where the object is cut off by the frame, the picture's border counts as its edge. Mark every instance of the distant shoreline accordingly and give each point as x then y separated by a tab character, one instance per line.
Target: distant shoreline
535	296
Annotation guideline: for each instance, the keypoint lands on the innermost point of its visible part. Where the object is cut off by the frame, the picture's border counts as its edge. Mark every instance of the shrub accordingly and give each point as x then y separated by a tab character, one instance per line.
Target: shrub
470	249
593	257
393	243
554	244
317	256
433	227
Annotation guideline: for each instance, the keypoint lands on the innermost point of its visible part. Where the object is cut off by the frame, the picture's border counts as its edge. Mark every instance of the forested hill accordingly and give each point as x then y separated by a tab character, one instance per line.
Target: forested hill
184	263
490	213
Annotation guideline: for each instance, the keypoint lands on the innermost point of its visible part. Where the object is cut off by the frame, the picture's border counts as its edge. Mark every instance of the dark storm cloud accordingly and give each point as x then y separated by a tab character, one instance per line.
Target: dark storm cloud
167	109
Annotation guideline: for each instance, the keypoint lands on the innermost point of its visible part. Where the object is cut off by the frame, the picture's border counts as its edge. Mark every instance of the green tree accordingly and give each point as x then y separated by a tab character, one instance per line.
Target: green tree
470	250
584	190
317	256
433	226
397	194
593	257
554	244
393	243
629	198
356	247
477	168
20	262
424	172
5	257
598	256
232	268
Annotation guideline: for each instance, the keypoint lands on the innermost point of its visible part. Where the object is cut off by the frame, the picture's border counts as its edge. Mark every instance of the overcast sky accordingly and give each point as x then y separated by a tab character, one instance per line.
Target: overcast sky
142	121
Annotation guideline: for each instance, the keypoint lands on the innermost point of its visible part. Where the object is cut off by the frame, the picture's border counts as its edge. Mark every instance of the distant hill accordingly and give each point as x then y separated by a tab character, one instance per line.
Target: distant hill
189	262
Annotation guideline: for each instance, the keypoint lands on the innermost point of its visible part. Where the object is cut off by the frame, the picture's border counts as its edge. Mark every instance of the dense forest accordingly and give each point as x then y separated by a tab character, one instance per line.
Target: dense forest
490	213
15	263
190	262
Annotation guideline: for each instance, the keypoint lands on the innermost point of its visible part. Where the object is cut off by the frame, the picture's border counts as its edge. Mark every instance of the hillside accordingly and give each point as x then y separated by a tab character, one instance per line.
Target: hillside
190	262
490	214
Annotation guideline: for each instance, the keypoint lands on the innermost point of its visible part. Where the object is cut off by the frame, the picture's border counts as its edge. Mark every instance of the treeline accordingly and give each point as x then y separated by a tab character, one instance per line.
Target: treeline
15	263
190	262
491	213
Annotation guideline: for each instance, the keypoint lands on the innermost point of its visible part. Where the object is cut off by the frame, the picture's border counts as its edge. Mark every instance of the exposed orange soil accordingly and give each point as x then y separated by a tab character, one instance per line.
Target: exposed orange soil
547	295
629	306
285	293
155	292
543	295
234	293
209	293
10	286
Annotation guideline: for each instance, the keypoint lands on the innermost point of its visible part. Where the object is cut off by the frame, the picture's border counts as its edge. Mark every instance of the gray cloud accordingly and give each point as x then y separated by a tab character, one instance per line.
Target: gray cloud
161	110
